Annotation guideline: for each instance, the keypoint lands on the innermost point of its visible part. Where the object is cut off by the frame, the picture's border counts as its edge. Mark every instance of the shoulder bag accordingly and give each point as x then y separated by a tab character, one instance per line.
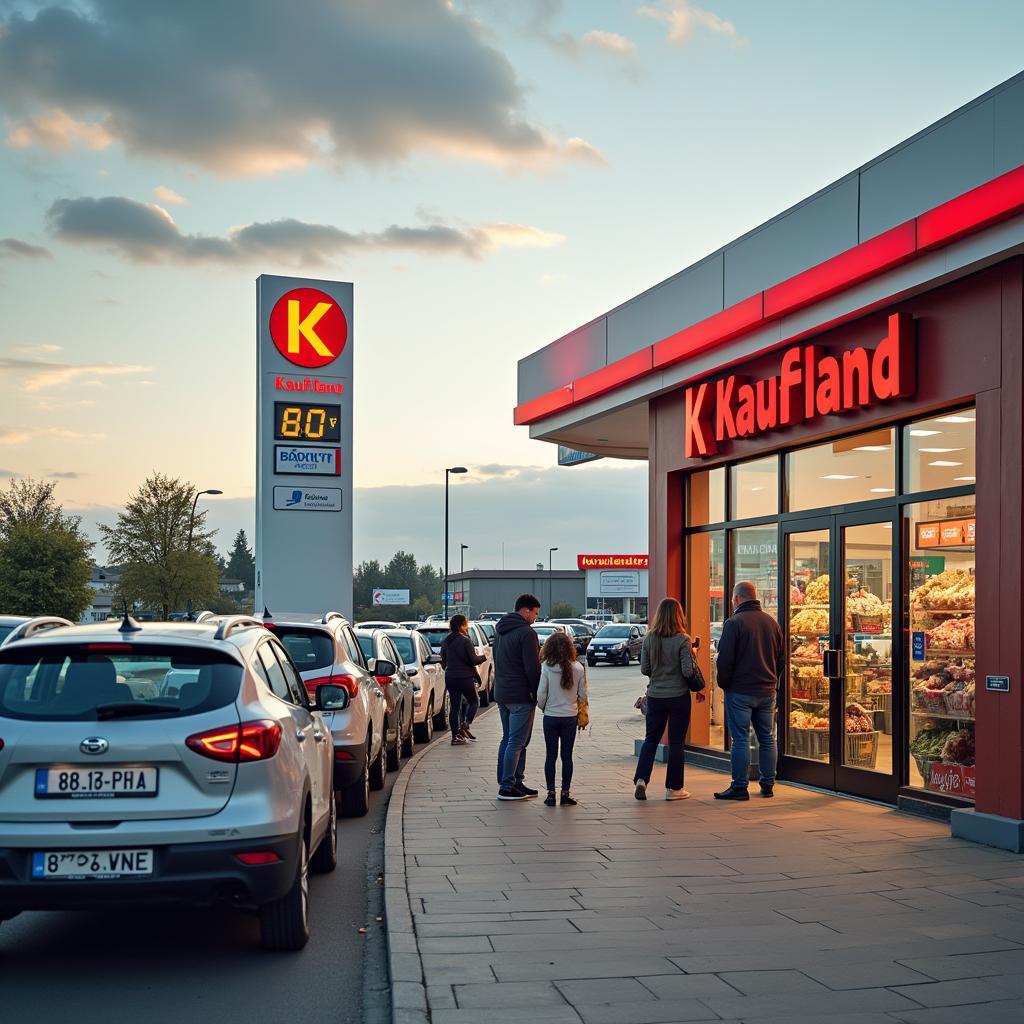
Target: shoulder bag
696	681
582	705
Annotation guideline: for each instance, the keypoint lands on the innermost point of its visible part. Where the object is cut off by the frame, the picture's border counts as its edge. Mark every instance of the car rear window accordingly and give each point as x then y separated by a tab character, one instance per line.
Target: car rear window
309	648
93	682
435	637
617	632
366	646
403	644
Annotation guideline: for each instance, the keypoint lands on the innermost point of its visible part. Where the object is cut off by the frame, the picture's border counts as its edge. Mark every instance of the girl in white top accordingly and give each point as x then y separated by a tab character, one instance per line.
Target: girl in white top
563	684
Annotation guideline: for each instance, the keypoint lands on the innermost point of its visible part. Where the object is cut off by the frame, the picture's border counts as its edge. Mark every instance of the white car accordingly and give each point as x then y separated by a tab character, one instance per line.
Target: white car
174	762
21	627
435	632
376	624
423	667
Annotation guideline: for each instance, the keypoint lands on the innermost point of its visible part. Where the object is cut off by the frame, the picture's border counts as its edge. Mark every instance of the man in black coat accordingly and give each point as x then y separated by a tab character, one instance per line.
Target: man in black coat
750	666
516	678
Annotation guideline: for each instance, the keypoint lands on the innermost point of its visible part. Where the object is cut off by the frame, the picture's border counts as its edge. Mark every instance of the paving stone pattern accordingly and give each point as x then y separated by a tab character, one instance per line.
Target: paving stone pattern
805	907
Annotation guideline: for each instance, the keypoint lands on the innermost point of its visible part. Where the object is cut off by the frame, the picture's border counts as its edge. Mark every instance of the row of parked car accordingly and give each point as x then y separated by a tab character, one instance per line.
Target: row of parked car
199	761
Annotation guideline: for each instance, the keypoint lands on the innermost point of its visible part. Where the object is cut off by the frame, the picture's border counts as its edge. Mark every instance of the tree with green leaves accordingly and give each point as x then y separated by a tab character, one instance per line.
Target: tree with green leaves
562	610
241	562
401	573
44	558
164	550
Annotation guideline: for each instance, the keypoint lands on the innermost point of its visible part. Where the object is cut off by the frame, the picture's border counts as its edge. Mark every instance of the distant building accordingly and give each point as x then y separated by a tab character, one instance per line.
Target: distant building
495	590
232	586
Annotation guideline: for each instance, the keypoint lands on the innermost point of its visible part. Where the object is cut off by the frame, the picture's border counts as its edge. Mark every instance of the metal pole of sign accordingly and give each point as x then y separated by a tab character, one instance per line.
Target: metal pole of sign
551	582
447	473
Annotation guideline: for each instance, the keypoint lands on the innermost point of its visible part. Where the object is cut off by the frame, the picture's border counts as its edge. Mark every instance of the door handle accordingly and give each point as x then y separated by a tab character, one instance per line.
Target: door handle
300	734
319	737
832	666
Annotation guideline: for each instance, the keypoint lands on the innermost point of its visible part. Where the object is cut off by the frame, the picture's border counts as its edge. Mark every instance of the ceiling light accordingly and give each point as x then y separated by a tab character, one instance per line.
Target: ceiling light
924	433
883	490
752	489
886	526
940	451
965	479
955	419
838	476
872	448
943	464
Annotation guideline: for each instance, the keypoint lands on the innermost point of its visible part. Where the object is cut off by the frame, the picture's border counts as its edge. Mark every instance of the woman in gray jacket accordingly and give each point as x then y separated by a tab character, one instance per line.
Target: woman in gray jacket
667	658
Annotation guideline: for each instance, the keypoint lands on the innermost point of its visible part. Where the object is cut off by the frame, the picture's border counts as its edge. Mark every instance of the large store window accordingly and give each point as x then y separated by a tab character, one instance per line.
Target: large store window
707	612
842	472
755	557
707	498
754	489
940	452
940	644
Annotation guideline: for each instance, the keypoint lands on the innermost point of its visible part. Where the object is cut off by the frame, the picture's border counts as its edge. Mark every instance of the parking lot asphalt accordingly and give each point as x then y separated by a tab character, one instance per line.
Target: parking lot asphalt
171	965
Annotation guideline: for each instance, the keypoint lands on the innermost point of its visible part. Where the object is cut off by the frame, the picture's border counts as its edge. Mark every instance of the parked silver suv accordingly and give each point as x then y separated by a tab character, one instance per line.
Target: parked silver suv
165	762
326	651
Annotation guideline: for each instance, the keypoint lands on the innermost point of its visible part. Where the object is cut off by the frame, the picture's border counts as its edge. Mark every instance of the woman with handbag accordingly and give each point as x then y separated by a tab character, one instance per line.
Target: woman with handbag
459	661
667	659
562	696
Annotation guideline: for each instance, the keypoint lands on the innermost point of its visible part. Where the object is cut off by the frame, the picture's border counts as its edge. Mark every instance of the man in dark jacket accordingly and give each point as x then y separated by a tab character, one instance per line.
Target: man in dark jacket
750	666
516	678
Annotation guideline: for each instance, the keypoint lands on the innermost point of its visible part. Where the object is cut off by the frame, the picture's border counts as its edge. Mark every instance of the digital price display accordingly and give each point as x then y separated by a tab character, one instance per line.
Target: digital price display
302	421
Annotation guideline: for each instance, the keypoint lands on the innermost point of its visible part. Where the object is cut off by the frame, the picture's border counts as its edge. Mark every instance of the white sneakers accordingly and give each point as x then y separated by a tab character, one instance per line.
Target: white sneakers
677	794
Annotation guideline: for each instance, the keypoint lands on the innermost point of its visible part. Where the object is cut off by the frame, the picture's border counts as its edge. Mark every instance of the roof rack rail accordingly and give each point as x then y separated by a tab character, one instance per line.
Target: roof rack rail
232	622
38	624
205	616
330	615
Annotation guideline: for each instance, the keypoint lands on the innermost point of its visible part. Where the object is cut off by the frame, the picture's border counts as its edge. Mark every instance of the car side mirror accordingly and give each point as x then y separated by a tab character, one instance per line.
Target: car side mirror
412	672
434	659
331	697
382	667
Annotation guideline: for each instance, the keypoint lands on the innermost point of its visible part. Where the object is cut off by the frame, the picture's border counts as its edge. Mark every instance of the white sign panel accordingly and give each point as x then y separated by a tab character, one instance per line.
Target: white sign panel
307	499
304	338
391	596
293	460
617	583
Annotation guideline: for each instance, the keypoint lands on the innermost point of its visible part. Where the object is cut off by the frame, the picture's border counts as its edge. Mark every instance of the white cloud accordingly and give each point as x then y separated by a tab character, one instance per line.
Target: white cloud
34	350
13	436
684	21
168	195
56	130
39	375
611	42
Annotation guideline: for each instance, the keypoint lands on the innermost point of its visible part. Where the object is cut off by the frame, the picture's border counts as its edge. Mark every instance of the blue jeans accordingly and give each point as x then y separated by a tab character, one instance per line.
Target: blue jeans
742	710
516	727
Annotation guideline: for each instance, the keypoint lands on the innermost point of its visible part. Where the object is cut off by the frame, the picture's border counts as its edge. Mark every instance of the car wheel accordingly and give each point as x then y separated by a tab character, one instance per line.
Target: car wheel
409	742
394	754
355	797
441	719
425	729
377	768
284	924
591	663
325	860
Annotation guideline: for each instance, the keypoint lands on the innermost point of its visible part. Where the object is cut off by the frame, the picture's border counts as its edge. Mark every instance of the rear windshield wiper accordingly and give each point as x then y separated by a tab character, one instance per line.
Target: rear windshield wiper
130	709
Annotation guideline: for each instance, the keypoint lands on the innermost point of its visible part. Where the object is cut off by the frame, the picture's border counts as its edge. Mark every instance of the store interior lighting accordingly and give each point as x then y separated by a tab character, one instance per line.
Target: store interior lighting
838	476
944	464
924	433
955	419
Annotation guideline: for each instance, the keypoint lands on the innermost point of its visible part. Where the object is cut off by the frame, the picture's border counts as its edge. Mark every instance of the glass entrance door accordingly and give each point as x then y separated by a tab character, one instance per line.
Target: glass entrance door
839	725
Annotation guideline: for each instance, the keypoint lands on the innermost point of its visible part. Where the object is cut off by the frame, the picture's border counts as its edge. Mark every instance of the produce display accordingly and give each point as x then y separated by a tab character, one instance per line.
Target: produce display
807	720
817	591
879	685
808	652
858	719
938	743
951	590
953	635
863	602
810	620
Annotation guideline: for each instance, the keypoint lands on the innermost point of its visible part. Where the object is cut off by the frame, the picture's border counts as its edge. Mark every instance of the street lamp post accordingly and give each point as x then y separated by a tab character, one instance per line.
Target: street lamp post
551	581
192	516
447	473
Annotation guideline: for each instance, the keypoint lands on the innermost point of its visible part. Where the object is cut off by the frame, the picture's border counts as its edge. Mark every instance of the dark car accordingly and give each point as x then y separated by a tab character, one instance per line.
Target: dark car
583	632
617	642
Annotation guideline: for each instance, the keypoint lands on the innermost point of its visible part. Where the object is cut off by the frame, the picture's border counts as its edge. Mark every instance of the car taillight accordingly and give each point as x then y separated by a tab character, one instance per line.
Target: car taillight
258	857
383	680
342	755
250	741
312	684
350	683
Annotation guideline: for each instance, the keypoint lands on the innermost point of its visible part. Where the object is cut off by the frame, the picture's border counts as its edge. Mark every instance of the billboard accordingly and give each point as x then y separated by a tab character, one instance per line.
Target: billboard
382	596
303	430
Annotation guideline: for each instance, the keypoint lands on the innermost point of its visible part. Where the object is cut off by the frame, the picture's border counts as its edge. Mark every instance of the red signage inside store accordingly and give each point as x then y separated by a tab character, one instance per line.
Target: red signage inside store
810	384
612	561
949	533
308	327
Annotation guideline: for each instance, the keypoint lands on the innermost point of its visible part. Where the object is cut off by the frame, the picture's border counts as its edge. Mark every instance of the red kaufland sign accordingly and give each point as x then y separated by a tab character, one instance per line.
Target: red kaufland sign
612	561
809	384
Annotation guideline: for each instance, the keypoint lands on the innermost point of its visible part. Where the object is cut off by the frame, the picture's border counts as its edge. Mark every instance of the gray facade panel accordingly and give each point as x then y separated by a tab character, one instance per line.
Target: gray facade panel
807	235
676	303
1008	117
947	161
498	594
563	361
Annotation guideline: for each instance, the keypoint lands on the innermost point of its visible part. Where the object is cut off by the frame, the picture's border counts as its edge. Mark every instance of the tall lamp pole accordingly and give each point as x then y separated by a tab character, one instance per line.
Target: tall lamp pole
462	573
192	516
551	581
447	473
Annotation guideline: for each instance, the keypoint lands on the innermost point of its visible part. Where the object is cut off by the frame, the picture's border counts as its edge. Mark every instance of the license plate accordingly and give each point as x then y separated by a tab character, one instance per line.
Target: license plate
107	783
91	863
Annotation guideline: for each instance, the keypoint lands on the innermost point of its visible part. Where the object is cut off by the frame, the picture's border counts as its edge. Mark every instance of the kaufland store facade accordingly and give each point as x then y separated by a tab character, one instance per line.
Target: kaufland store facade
832	407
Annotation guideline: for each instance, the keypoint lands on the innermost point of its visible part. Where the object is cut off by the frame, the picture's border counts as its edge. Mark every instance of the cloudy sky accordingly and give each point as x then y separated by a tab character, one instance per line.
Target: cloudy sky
489	174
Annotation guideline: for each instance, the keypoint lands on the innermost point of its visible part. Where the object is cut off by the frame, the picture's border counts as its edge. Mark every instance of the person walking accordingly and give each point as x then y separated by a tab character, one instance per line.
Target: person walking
563	684
516	678
459	661
667	659
750	667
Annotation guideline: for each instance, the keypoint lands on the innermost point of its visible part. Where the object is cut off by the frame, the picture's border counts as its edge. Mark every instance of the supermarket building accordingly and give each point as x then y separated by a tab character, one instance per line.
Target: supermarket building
831	406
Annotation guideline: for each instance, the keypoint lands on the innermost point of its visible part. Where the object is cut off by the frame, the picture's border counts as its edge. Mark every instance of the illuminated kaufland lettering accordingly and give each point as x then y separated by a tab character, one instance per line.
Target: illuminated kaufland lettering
808	385
308	384
612	561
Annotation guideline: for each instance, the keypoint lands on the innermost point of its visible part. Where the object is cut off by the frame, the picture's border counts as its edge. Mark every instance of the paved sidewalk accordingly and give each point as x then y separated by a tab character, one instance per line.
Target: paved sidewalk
805	907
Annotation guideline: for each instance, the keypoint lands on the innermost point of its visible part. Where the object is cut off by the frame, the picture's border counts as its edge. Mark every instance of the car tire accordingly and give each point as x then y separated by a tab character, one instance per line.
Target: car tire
409	740
394	754
441	718
355	797
425	729
591	663
325	860
377	772
284	923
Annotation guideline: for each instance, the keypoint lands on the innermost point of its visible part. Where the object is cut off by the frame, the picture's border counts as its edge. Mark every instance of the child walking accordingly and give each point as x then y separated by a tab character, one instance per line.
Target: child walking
563	684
